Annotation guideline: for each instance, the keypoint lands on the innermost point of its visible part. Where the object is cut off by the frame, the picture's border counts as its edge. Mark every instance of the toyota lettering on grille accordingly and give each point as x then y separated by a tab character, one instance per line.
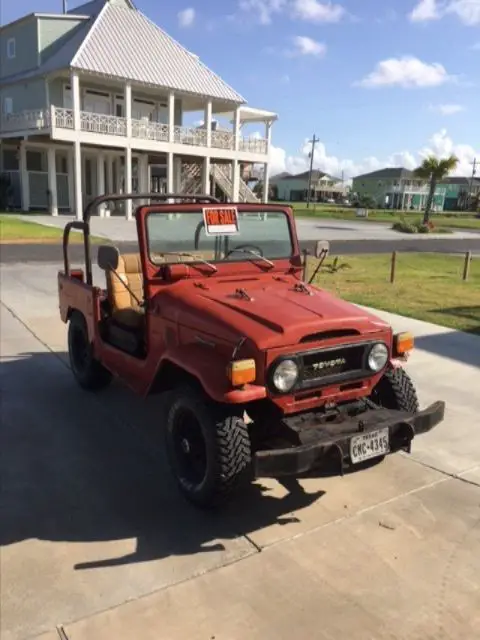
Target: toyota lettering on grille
328	364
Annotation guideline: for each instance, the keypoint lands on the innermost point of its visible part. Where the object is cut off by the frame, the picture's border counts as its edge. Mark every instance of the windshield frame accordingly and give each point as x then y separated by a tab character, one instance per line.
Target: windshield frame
197	208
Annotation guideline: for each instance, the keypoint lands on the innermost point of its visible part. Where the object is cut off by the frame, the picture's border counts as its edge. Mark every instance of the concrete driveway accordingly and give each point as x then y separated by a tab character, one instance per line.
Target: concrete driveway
95	541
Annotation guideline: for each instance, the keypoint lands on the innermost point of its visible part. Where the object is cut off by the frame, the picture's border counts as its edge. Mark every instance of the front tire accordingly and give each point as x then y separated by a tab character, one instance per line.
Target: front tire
88	372
208	448
396	391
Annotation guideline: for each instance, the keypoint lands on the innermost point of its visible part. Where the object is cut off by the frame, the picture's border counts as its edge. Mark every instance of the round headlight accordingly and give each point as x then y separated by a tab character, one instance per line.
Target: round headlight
285	375
378	356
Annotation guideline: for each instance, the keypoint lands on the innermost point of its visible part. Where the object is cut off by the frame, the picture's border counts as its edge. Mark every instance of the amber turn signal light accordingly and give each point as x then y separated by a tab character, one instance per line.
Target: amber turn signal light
241	372
402	343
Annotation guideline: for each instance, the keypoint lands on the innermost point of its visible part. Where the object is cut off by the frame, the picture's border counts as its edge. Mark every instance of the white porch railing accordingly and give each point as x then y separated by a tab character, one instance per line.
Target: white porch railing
25	120
147	130
104	124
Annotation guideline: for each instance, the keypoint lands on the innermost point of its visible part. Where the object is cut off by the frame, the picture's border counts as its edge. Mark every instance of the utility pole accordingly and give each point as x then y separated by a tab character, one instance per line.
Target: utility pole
312	153
470	189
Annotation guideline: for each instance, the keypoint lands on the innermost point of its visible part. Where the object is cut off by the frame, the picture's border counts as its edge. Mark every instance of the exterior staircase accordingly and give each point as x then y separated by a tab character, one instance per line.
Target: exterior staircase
222	177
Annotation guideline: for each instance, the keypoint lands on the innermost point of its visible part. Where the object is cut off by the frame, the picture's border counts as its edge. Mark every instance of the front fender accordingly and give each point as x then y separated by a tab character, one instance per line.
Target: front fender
210	369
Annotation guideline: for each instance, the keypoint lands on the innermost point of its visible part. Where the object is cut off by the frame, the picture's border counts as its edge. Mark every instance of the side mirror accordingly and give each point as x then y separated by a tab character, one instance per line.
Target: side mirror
108	257
322	249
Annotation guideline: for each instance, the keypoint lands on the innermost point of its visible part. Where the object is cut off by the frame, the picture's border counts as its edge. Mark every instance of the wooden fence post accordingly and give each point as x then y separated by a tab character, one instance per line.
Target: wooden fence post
393	266
466	264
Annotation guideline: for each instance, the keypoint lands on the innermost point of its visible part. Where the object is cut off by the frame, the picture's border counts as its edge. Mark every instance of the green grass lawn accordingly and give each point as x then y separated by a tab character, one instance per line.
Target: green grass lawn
453	220
13	229
427	286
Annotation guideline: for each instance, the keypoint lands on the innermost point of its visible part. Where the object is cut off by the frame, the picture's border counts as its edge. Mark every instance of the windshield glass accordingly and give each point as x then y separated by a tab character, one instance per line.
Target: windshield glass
266	234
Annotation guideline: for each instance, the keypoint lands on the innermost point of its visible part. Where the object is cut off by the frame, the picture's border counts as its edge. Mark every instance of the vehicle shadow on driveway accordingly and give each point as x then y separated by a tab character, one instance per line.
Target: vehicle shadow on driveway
456	345
82	467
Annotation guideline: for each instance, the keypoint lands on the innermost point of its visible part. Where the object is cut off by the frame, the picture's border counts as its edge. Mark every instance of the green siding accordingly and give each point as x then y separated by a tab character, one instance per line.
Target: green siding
26	96
53	33
26	47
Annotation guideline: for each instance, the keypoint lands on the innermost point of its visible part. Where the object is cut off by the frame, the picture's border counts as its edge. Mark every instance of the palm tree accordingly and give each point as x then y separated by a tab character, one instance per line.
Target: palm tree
434	170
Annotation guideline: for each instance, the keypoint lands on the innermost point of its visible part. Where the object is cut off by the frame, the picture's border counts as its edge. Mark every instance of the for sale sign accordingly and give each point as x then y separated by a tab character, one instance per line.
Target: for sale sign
220	220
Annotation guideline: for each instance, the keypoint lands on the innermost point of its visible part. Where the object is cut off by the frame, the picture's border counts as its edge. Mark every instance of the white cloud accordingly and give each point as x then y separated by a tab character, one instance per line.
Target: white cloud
447	109
186	18
310	10
440	144
476	46
467	11
406	72
315	11
304	46
425	10
263	9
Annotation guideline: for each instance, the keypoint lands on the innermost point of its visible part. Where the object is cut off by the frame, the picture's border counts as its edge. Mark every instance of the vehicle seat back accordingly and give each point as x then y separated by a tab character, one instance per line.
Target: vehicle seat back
130	273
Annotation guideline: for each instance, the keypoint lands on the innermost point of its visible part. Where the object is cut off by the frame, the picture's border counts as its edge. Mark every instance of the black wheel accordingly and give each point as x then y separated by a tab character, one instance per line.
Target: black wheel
208	448
88	372
396	391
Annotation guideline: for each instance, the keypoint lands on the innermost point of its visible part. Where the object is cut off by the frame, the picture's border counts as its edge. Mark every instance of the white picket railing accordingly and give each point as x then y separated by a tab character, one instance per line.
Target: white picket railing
104	124
36	119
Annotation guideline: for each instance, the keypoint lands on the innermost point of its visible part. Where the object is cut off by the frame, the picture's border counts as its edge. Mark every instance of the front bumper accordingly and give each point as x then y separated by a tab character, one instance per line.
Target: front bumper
331	441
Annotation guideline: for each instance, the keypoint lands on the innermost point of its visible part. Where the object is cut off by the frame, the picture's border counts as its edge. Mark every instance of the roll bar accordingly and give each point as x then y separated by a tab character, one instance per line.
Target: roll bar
90	208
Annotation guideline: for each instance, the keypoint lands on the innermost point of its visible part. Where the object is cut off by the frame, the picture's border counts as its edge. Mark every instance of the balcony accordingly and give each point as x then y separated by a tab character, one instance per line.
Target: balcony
59	118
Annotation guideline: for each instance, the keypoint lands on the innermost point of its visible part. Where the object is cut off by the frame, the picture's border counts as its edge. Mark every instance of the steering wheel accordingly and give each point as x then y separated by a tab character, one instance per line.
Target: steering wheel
245	246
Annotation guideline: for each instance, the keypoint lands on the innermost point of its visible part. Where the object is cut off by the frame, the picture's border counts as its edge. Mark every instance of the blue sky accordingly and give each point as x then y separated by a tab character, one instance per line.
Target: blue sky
378	81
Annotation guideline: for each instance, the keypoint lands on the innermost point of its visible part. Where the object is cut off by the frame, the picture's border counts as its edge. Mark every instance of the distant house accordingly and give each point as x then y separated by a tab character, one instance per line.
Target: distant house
94	100
294	188
460	192
396	188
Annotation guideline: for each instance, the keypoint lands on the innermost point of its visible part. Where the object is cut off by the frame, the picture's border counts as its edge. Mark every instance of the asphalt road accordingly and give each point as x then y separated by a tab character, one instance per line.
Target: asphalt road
12	253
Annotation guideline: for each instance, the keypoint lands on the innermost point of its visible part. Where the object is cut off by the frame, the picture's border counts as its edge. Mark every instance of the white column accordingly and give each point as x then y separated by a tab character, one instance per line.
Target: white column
128	182
128	108
236	128
101	182
235	181
110	187
177	174
206	176
24	178
266	182
170	173
208	123
52	180
71	181
77	167
268	135
76	106
171	116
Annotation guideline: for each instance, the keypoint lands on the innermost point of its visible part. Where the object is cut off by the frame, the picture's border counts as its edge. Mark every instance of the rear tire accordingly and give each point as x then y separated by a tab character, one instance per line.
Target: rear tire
208	448
88	372
396	391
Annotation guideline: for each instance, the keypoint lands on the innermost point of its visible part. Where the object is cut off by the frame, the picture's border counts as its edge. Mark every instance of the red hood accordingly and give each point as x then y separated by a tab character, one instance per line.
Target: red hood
272	313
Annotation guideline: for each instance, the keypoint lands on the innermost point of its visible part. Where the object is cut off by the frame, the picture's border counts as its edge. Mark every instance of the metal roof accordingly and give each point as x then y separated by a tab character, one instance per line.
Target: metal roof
389	172
124	43
118	41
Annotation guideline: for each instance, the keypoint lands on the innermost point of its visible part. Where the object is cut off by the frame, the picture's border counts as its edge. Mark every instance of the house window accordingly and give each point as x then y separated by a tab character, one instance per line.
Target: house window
11	48
7	106
36	161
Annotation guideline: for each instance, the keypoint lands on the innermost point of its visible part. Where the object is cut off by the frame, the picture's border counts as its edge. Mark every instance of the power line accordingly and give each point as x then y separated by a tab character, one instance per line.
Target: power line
313	142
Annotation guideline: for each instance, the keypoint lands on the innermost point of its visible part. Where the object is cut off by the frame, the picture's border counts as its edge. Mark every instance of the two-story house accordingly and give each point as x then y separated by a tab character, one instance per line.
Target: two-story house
397	188
323	186
93	101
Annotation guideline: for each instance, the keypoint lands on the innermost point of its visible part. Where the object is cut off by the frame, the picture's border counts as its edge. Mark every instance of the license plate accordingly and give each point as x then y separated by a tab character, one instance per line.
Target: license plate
369	445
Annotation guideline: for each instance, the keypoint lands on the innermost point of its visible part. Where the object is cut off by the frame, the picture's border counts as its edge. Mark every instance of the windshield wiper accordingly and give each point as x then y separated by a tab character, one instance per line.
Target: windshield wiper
190	255
253	253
